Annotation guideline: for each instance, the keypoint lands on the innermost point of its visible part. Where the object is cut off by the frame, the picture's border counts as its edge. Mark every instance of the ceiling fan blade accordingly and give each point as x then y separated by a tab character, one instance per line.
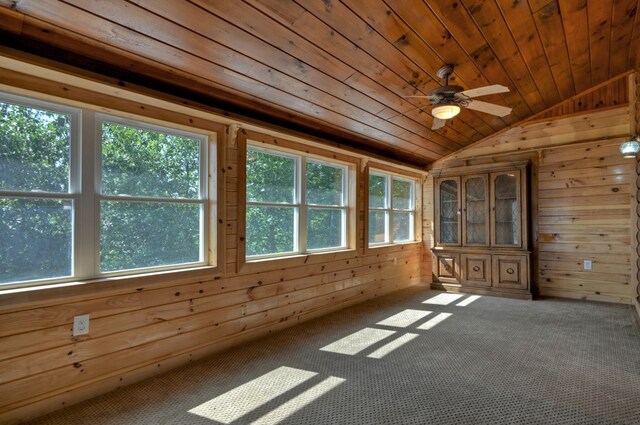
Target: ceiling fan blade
489	108
483	91
437	123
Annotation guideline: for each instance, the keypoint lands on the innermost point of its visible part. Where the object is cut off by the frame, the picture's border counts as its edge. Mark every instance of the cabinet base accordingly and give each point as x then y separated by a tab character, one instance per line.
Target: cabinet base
496	292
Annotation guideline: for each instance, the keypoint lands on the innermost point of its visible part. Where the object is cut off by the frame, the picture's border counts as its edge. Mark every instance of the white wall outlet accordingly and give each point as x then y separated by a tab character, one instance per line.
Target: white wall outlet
588	264
81	325
395	261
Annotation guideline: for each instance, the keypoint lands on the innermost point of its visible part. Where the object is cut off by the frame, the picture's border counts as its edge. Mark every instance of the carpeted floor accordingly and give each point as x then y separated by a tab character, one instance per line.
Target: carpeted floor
471	360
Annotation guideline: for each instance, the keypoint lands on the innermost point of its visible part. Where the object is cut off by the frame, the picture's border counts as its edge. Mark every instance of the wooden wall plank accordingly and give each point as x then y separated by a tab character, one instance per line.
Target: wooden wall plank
166	318
585	192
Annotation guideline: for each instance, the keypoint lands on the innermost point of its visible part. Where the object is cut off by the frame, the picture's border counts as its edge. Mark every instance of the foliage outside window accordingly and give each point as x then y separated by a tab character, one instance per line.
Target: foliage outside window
146	208
36	200
295	204
391	209
152	198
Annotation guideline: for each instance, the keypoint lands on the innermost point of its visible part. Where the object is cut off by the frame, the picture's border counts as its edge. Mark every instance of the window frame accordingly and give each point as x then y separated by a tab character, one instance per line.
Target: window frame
84	190
201	200
74	184
300	204
389	208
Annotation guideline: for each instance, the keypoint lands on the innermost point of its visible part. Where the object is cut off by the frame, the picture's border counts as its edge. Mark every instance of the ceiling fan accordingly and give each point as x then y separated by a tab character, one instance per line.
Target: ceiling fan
447	100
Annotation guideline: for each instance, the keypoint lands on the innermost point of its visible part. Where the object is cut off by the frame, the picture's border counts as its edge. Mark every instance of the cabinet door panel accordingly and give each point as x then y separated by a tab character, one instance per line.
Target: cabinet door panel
448	228
446	267
510	271
475	211
506	209
475	269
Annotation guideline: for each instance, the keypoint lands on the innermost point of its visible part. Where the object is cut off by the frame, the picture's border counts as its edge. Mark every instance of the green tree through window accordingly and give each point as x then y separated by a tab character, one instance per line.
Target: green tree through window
287	214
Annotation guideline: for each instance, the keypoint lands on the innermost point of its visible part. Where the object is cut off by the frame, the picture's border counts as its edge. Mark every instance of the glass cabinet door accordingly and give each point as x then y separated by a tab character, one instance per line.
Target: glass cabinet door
448	211
506	209
476	210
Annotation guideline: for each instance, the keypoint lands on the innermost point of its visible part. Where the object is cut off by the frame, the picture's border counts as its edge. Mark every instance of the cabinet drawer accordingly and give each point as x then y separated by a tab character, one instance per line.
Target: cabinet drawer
446	267
475	269
510	271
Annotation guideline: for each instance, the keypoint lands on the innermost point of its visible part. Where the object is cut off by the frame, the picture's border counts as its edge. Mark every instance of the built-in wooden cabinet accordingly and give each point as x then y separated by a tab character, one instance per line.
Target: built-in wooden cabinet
481	226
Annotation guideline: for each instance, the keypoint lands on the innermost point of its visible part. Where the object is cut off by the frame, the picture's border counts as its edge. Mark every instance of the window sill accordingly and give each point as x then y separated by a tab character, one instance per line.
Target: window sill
390	246
14	298
294	260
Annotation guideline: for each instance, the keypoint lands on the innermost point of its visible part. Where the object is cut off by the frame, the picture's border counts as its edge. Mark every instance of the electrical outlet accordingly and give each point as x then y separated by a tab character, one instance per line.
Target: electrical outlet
81	325
395	261
588	264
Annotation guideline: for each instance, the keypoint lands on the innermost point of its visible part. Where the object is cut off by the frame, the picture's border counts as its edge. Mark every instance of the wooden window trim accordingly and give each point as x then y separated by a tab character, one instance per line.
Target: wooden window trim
287	146
417	179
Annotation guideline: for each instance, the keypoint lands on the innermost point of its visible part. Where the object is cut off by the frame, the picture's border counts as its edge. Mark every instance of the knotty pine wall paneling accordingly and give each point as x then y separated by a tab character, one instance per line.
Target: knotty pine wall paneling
585	193
634	105
142	326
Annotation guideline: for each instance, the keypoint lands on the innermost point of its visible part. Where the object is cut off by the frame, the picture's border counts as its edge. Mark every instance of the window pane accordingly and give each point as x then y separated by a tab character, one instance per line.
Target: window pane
476	211
148	234
324	228
139	162
449	211
402	224
270	230
35	239
506	193
402	195
377	226
270	178
377	191
34	149
324	184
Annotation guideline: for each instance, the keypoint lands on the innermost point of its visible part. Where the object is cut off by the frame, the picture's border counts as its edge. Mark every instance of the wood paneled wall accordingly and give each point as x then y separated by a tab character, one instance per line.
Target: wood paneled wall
634	104
585	193
143	326
585	196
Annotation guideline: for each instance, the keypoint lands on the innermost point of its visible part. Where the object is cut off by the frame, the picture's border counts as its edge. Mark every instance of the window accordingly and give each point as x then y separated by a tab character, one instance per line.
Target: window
37	185
295	204
152	196
391	209
128	196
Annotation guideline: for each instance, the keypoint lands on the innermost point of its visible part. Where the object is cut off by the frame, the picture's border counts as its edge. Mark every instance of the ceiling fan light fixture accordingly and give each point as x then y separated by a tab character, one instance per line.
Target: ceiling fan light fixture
445	112
630	148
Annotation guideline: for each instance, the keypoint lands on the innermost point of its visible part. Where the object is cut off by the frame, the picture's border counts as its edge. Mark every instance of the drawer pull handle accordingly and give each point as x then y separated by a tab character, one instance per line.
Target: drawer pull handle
510	270
476	269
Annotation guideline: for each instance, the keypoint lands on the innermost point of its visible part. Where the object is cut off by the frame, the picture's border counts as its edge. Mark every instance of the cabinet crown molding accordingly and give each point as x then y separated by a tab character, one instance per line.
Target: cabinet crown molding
476	169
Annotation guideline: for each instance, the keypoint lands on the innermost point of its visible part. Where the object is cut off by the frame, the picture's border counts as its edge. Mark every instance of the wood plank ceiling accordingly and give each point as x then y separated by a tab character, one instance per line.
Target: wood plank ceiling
344	68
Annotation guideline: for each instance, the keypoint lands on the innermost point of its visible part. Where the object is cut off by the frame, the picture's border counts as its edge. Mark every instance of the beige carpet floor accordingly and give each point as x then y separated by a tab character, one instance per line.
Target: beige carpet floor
413	357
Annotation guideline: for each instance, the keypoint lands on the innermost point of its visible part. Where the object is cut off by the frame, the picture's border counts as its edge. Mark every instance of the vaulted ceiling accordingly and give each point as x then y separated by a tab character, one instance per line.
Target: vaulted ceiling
344	69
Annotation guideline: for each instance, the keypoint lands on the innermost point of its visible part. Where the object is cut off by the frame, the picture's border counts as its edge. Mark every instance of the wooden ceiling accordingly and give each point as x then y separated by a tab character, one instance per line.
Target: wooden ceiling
344	68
